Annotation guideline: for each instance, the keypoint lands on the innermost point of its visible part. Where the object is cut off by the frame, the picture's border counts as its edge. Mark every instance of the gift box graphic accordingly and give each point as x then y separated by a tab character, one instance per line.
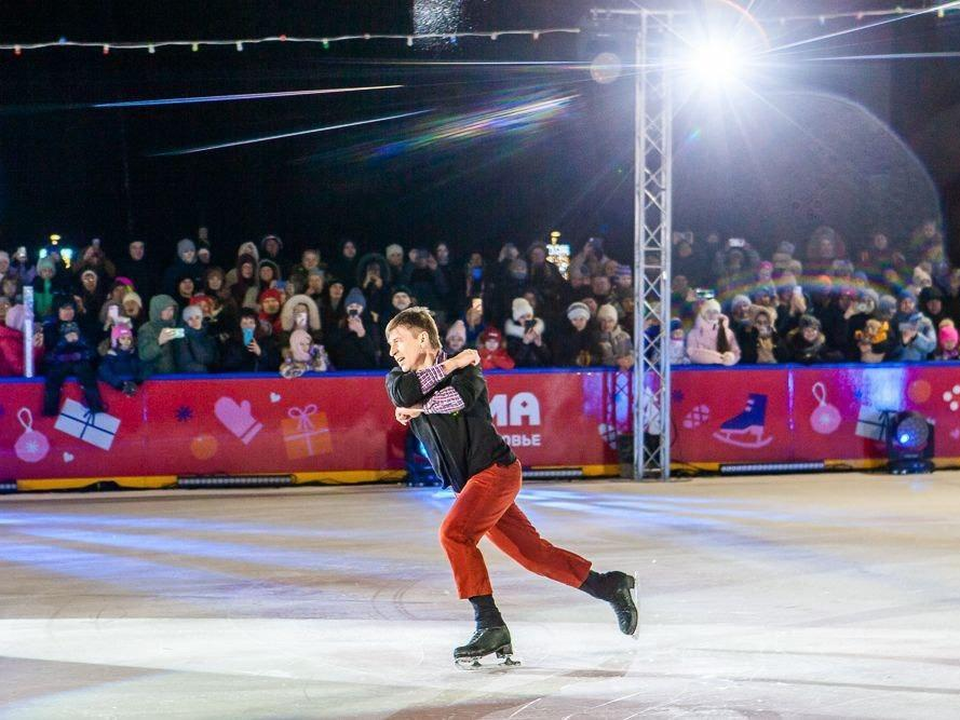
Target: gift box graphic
873	423
306	432
98	429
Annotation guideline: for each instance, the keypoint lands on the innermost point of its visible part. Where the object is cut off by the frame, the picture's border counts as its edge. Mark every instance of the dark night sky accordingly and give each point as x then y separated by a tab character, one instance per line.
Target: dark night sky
80	171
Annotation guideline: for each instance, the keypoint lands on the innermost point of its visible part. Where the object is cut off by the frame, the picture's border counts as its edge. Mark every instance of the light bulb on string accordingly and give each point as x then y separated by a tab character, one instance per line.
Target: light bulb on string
195	47
239	47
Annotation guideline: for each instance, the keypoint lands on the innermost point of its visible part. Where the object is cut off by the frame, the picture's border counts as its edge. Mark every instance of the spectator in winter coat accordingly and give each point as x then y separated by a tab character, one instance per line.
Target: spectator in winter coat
303	356
525	336
493	354
157	337
185	265
245	289
246	248
136	267
11	340
196	351
473	322
271	302
309	260
70	355
931	304
271	248
300	312
247	347
616	347
711	341
394	255
807	344
344	266
576	343
46	285
872	341
356	342
917	339
372	272
590	260
456	338
269	274
422	276
759	342
121	368
678	347
947	347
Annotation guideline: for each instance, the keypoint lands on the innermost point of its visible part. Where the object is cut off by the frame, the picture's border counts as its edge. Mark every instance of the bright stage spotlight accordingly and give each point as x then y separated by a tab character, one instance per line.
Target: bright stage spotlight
716	63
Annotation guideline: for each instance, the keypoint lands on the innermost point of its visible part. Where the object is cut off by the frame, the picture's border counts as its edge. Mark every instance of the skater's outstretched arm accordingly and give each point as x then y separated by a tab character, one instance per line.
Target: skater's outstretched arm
407	389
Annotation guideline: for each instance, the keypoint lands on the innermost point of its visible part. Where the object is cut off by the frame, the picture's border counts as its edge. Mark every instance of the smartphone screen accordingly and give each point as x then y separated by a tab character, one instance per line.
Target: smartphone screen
247	336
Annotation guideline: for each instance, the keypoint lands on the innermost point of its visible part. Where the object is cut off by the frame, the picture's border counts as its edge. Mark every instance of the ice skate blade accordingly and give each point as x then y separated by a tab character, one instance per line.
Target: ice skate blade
473	662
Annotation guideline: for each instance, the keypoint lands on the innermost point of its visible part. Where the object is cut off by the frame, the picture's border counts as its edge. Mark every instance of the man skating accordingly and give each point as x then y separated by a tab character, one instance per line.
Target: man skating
446	405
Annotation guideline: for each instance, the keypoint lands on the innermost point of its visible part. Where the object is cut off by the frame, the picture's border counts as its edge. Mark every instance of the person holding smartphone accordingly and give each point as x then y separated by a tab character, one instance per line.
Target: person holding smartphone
355	342
525	341
157	337
248	348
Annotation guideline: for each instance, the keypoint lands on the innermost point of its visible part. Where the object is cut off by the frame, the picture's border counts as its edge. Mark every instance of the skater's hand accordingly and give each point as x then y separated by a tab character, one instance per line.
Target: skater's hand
728	358
466	358
405	415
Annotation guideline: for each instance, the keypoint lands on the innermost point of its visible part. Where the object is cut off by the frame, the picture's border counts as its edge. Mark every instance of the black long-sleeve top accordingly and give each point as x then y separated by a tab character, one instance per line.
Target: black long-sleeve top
459	444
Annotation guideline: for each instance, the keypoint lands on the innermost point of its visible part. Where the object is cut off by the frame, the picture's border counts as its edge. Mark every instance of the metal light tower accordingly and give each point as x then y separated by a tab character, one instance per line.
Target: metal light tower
652	243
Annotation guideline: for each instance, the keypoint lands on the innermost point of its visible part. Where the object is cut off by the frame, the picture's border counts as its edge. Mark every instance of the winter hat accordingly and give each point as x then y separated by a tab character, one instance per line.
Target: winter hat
906	295
491	333
125	281
520	307
766	265
869	295
46	262
199	299
118	331
457	329
606	312
809	321
297	338
316	271
947	334
708	305
270	293
401	289
277	275
134	297
184	246
787	248
675	324
69	327
64	301
393	249
930	293
263	242
15	317
887	306
4	255
739	300
624	271
577	310
355	297
191	311
89	271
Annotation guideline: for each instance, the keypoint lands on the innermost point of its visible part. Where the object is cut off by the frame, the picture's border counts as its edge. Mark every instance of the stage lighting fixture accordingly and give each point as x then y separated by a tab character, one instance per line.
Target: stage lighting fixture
910	444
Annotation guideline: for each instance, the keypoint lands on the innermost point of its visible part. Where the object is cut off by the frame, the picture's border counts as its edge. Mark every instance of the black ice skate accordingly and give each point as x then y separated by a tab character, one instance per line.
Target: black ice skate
485	641
623	599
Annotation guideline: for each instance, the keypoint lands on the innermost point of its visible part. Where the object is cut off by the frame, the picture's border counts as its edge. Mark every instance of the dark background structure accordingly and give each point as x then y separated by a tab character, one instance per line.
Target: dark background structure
855	149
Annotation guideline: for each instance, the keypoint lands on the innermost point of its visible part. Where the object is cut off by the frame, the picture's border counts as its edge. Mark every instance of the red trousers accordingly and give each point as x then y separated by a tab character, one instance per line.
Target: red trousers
486	507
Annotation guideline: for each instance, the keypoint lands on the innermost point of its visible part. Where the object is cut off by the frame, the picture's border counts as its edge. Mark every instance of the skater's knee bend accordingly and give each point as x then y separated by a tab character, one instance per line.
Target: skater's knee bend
453	533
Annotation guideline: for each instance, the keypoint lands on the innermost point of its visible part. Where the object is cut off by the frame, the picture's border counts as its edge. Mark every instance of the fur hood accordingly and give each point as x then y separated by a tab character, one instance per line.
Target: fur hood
516	330
313	312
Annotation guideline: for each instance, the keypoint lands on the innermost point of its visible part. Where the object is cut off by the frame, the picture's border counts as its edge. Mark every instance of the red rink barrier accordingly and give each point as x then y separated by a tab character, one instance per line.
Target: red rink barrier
340	426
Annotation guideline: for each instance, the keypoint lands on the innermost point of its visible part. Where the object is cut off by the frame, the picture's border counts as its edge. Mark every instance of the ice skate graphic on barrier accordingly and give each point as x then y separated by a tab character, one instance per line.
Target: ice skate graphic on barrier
747	429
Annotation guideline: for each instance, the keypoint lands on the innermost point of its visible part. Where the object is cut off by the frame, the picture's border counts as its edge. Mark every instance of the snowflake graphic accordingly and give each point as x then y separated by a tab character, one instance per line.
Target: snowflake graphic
184	414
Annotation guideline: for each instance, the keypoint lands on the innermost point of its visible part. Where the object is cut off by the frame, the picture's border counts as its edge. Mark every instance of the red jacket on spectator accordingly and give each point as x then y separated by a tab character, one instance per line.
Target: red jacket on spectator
498	358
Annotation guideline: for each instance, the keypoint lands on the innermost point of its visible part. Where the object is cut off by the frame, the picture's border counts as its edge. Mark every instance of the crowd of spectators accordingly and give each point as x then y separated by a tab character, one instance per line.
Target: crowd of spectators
121	320
878	300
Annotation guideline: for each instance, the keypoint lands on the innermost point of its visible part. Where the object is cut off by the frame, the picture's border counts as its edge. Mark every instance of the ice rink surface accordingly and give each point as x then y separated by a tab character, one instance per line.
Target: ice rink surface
822	596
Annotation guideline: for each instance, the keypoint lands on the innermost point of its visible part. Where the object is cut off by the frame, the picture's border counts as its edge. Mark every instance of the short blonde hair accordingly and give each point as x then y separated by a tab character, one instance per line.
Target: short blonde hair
417	319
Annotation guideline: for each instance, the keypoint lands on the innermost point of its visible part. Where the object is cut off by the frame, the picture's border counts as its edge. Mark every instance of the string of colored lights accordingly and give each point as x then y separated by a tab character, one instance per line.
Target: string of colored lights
240	43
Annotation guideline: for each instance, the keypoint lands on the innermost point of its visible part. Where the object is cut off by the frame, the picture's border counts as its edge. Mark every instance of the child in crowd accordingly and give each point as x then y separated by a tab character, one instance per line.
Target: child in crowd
493	353
121	368
303	356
